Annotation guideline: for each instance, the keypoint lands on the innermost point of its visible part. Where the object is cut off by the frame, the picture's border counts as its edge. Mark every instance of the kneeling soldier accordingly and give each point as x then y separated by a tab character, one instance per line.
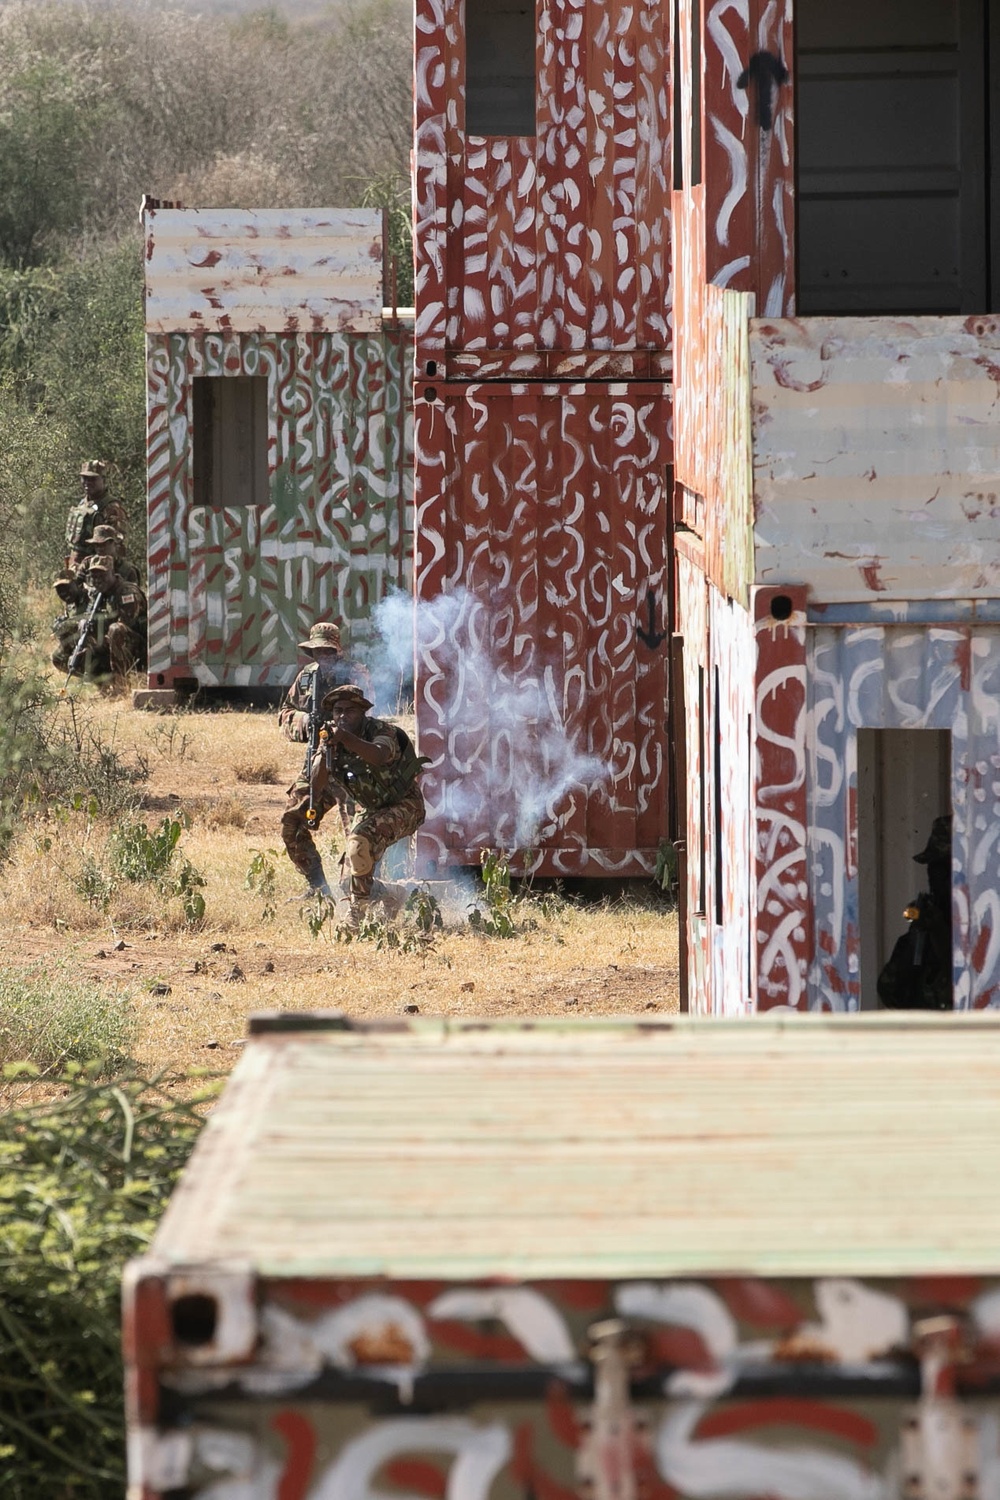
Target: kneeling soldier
377	767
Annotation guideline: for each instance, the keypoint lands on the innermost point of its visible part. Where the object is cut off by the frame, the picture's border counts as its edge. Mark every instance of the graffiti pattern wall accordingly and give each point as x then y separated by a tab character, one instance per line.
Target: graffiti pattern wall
232	589
906	677
542	644
747	1387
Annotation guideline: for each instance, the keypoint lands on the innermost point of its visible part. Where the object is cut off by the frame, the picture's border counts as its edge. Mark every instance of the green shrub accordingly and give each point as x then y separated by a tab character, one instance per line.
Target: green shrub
83	1180
47	1023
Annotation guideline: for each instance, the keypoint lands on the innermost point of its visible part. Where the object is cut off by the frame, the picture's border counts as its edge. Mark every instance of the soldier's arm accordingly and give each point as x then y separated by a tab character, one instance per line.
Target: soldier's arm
379	751
293	716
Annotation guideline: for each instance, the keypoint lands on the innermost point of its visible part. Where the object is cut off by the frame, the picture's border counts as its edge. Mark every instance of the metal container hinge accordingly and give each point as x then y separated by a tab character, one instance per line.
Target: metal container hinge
939	1445
614	1460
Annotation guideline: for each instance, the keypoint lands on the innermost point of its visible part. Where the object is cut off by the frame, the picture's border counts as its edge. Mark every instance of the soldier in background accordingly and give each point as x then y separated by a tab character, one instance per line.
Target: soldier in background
70	586
116	635
93	509
334	669
918	975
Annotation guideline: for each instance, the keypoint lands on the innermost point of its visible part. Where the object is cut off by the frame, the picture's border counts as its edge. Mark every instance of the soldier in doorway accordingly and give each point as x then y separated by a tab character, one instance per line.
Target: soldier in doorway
918	975
298	722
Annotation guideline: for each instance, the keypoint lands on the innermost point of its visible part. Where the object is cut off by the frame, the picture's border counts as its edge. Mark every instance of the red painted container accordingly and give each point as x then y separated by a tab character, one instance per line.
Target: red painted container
606	1260
542	639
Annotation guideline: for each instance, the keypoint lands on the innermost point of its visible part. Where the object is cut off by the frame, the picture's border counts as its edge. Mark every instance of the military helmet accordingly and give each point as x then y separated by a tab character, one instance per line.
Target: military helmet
938	846
324	636
340	697
94	468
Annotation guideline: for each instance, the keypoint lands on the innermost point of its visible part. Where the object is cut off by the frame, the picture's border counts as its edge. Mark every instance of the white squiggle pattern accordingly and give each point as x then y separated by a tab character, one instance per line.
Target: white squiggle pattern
893	677
740	1470
532	1319
480	1453
736	152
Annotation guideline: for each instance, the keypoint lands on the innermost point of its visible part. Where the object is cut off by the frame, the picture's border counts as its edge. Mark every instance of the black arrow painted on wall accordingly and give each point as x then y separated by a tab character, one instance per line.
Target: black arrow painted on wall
651	637
767	73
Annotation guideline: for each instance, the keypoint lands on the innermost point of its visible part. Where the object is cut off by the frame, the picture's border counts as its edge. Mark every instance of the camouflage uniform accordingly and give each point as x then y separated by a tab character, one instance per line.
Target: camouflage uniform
293	721
918	975
116	639
91	510
389	803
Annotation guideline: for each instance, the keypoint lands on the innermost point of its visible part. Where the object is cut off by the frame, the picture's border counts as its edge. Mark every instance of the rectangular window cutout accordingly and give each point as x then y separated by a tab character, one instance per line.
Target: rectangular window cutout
695	92
229	451
702	792
500	67
678	112
904	784
717	778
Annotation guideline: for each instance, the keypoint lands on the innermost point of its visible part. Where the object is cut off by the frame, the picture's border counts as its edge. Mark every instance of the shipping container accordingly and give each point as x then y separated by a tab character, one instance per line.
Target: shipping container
280	440
542	579
618	1260
543	413
837	472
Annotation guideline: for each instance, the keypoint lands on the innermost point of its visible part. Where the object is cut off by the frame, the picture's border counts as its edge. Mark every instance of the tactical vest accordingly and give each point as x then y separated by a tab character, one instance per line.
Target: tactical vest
372	787
80	523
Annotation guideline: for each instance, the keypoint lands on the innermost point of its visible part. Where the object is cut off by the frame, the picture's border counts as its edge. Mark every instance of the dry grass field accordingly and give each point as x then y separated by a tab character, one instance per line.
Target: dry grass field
188	987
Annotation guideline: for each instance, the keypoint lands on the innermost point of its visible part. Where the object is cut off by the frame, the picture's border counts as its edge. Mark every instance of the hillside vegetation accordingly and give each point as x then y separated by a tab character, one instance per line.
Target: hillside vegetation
100	104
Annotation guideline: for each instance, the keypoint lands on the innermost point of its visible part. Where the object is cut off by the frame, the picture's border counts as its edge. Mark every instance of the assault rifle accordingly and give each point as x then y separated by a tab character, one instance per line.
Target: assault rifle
81	641
315	739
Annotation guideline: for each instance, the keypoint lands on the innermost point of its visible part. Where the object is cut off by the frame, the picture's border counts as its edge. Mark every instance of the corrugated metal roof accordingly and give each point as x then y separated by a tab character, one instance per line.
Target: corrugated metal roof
263	270
771	1146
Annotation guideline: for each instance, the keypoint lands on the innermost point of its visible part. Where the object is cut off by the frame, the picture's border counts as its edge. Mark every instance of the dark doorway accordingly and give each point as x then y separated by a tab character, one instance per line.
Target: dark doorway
893	152
229	451
904	783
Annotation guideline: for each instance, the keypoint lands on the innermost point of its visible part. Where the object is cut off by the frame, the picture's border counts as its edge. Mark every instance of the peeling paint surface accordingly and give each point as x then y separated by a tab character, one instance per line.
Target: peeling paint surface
877	456
263	270
232	590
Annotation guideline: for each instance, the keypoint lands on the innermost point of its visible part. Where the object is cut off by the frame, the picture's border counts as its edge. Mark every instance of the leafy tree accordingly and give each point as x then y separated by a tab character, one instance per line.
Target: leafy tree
47	116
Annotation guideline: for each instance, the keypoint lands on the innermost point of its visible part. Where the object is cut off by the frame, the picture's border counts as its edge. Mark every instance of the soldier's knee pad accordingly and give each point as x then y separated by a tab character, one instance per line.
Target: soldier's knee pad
358	853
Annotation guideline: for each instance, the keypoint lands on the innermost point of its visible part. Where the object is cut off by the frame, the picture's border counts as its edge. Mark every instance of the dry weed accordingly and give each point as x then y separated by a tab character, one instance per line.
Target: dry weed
257	773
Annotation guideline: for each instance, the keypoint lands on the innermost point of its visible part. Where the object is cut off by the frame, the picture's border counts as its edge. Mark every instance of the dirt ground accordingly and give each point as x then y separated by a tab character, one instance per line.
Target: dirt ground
224	773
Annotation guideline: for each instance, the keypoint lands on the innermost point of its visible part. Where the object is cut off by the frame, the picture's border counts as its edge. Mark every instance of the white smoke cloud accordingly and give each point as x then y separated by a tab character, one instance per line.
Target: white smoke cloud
516	769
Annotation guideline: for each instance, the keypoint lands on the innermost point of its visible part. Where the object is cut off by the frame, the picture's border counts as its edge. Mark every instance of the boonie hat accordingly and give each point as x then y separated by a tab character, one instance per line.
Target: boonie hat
324	635
105	534
348	692
100	563
938	846
94	468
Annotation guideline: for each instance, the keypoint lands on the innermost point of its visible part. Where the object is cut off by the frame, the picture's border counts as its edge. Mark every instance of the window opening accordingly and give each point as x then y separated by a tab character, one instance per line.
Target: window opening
500	67
229	449
903	790
702	791
717	778
695	92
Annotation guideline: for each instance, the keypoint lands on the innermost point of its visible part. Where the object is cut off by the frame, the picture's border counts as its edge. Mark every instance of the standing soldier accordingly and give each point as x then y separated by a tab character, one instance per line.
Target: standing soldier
377	767
91	510
297	826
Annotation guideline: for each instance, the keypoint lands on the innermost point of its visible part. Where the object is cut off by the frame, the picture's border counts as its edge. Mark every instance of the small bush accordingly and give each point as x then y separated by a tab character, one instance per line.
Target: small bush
257	772
227	812
83	1180
47	1024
